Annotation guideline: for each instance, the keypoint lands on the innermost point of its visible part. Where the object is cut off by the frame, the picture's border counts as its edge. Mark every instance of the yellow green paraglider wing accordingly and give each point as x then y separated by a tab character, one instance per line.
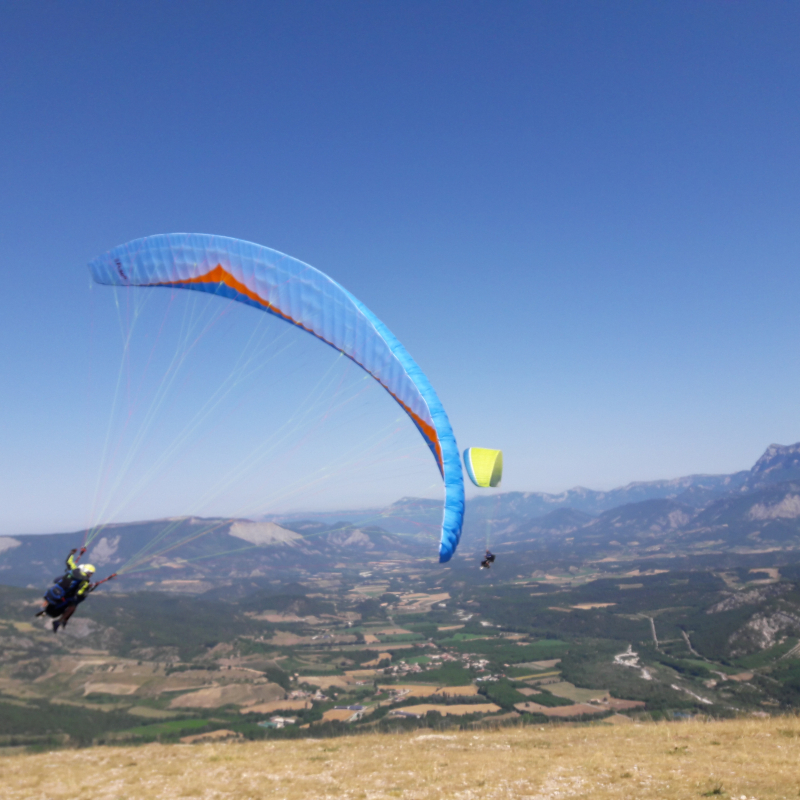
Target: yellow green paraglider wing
484	467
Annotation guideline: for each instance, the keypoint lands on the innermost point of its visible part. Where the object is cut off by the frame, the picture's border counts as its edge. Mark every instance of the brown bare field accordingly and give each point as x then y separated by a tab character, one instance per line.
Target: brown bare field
576	710
240	694
110	688
426	690
276	705
337	715
377	661
410	689
458	691
751	758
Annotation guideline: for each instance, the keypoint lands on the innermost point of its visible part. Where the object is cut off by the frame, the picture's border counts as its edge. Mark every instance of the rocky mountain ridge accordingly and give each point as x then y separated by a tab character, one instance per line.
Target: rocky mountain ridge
778	464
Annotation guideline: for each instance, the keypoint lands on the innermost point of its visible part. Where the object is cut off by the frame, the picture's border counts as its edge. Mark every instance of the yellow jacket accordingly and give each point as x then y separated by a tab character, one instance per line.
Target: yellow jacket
75	573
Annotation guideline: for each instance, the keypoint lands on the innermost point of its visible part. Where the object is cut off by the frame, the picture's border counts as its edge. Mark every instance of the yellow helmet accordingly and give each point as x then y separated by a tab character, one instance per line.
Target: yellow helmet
87	569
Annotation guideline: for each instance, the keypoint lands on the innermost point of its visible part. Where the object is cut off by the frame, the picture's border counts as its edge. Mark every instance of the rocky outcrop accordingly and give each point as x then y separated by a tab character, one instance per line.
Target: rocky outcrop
763	631
263	534
749	598
787	508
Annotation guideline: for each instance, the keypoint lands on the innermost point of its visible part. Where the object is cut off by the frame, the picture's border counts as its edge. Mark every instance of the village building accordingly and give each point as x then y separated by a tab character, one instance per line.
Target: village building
278	722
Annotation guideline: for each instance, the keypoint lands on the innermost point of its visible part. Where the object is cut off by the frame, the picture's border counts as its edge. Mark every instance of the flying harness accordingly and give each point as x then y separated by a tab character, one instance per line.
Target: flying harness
65	588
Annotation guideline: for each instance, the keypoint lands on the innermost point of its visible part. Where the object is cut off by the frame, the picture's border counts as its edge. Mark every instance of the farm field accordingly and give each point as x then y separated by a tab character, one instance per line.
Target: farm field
337	639
750	759
322	658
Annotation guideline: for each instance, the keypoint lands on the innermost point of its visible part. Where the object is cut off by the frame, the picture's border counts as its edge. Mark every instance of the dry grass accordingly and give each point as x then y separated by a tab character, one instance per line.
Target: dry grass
742	758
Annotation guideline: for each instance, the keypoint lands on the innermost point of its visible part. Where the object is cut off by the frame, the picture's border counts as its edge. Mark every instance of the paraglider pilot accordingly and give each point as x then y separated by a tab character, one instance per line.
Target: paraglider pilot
488	559
69	591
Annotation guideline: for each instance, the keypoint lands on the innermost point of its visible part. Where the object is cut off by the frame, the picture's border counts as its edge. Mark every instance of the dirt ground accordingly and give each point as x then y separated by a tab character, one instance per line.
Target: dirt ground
749	758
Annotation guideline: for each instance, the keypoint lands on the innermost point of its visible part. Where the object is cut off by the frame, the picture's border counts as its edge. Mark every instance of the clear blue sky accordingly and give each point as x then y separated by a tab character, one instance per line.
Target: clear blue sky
581	218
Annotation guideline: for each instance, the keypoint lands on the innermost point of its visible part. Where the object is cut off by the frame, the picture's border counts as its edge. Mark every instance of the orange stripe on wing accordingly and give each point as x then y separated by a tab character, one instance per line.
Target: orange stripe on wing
220	275
428	430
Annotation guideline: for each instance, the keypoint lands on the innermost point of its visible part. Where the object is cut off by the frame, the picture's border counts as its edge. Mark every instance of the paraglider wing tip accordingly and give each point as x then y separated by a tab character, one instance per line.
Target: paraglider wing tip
446	553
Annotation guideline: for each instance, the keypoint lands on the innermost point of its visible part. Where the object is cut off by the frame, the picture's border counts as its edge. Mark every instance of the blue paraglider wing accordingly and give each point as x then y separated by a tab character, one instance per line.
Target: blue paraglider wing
306	297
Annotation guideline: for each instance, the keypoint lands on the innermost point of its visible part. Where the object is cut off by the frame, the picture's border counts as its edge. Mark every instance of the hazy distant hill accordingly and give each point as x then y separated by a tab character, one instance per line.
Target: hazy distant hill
778	464
409	513
194	554
657	507
753	509
768	517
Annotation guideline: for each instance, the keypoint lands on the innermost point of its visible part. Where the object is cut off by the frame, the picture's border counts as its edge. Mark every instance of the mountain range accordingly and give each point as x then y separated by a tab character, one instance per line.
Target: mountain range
778	464
751	510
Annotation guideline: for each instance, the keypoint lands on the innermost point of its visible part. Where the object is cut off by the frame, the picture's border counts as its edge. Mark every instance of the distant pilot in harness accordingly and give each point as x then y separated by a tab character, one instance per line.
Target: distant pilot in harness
488	560
69	591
